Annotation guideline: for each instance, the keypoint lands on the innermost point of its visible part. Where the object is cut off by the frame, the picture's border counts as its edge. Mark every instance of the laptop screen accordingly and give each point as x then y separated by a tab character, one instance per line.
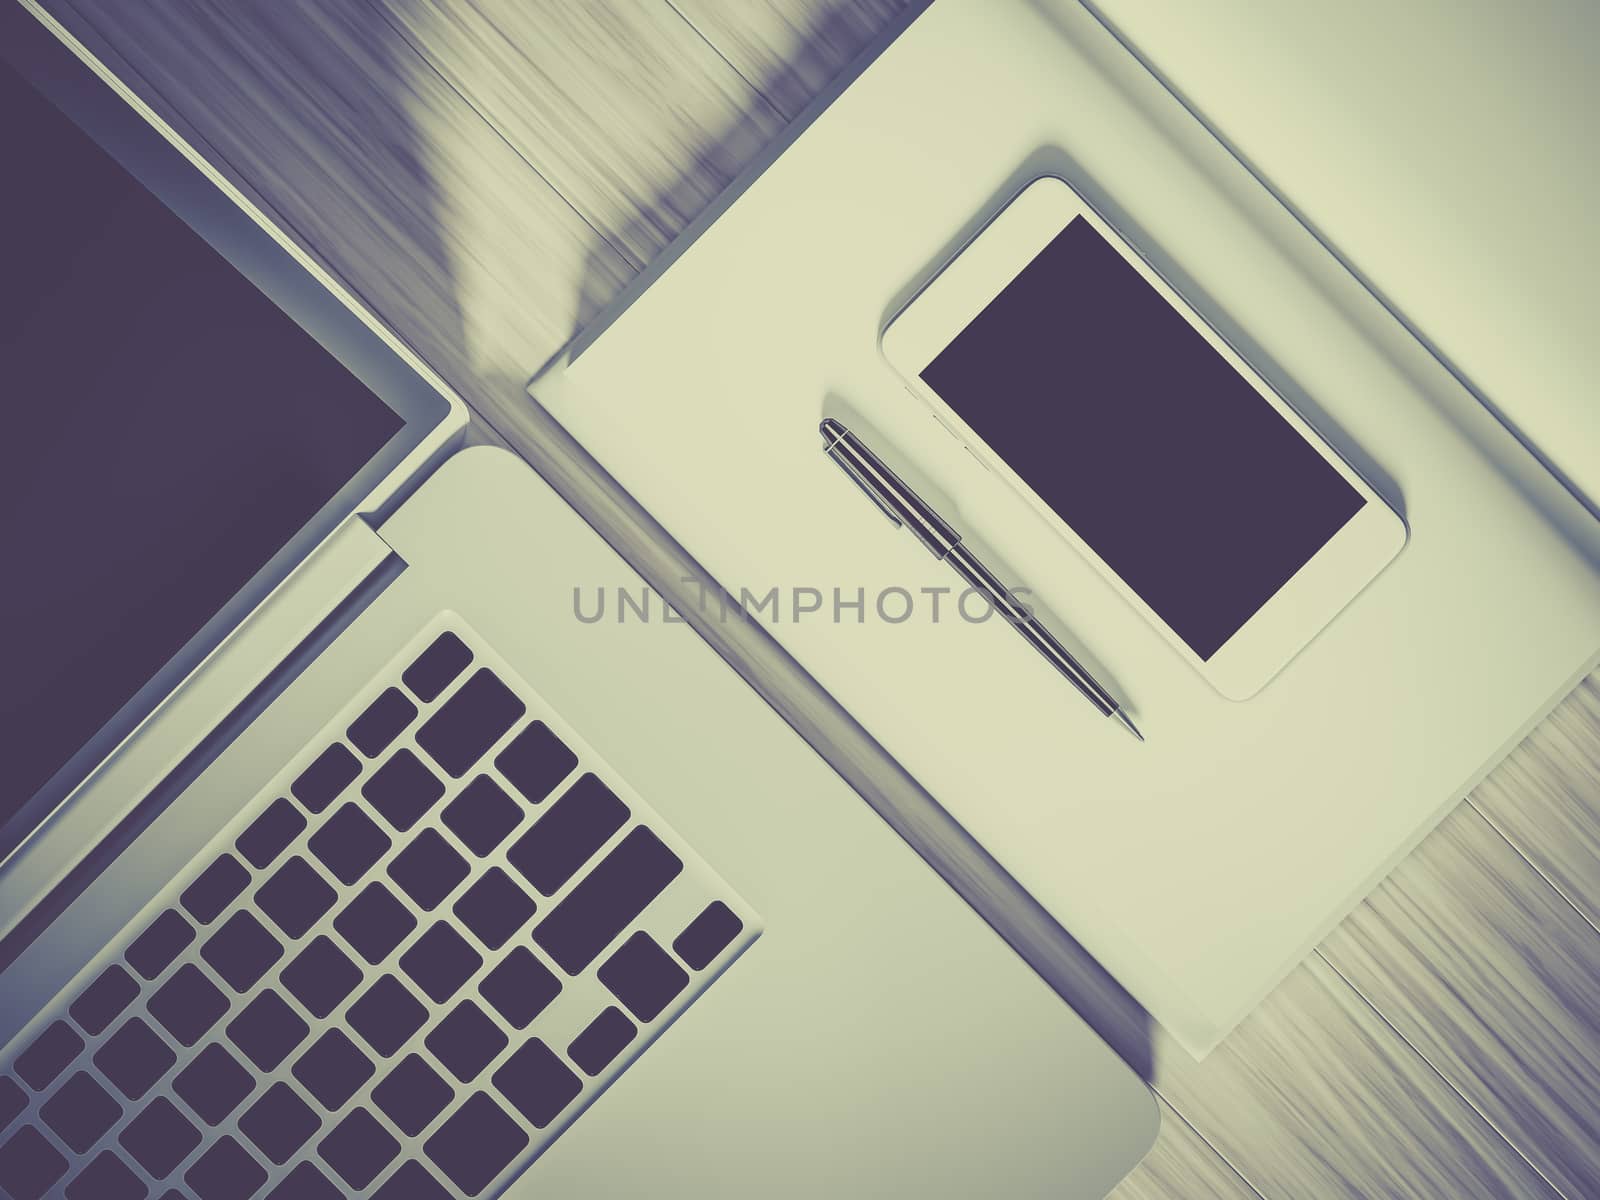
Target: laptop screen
167	430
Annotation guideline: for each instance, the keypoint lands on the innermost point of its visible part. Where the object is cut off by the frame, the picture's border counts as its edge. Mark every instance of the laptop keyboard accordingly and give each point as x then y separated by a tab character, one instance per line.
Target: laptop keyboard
404	969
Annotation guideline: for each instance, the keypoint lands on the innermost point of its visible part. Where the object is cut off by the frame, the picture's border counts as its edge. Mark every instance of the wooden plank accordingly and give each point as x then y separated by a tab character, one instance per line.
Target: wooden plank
1489	973
622	106
1181	1166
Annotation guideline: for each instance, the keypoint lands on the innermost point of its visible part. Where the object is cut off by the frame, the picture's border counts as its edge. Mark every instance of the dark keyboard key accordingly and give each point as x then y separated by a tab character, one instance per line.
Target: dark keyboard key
213	1084
538	1084
374	923
107	1178
440	961
80	1111
436	666
568	835
134	1058
48	1056
188	1004
428	869
607	900
241	950
708	935
403	789
348	843
471	721
270	833
279	1123
358	1149
466	1041
29	1164
494	908
267	1030
214	889
321	976
482	815
159	1138
520	987
333	1069
535	761
320	784
383	721
387	1015
12	1101
412	1095
153	950
475	1144
295	897
225	1172
411	1182
103	1000
601	1041
306	1182
643	976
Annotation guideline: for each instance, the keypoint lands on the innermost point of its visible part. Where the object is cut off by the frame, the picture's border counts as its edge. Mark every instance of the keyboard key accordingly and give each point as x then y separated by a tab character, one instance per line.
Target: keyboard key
320	784
214	889
494	908
333	1069
643	976
403	789
482	815
708	935
358	1149
321	976
241	950
107	1178
436	666
374	923
305	1182
411	1182
412	1095
103	1000
213	1084
29	1164
520	987
387	1015
225	1172
466	1041
440	961
385	718
279	1123
535	761
601	1041
607	900
295	897
12	1101
568	835
428	869
48	1056
134	1058
475	1144
188	1004
471	721
267	1030
538	1084
270	833
80	1112
348	843
159	1138
153	950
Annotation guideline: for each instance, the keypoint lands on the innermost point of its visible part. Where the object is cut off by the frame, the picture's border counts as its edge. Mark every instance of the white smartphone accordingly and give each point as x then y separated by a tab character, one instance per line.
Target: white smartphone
1070	368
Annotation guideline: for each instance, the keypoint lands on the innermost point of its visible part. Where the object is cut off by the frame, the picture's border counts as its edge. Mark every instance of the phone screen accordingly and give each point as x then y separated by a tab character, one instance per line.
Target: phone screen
1142	437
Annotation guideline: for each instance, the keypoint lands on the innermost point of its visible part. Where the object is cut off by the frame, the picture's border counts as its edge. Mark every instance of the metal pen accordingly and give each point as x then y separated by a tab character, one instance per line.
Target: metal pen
904	507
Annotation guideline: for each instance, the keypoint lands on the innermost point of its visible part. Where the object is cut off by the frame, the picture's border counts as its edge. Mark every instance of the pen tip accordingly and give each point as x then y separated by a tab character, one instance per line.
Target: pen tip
1127	722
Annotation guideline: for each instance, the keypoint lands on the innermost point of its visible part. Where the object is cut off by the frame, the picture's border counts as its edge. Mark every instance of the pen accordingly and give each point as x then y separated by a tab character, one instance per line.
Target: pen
904	507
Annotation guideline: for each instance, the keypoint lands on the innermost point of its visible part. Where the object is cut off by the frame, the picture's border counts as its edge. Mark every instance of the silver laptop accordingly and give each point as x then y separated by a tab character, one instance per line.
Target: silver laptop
318	873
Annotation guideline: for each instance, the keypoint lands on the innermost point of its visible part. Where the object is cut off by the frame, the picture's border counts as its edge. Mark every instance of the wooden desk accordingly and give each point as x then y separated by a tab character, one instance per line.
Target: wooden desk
486	173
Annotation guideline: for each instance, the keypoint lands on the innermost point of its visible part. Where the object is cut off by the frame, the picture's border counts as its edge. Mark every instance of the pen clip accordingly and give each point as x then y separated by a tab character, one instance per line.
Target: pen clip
879	501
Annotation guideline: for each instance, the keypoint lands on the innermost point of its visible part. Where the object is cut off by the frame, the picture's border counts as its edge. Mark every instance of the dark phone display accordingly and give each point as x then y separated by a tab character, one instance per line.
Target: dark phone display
1142	438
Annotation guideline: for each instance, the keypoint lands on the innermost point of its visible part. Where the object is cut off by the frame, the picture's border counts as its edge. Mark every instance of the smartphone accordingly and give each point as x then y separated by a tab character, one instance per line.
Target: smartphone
1070	368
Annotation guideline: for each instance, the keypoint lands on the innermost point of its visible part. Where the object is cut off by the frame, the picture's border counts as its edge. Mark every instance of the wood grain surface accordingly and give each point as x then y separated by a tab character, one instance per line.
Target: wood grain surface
486	173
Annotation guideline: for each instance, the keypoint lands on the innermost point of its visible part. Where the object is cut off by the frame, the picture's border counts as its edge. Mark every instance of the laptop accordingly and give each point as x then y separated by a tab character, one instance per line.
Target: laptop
341	856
